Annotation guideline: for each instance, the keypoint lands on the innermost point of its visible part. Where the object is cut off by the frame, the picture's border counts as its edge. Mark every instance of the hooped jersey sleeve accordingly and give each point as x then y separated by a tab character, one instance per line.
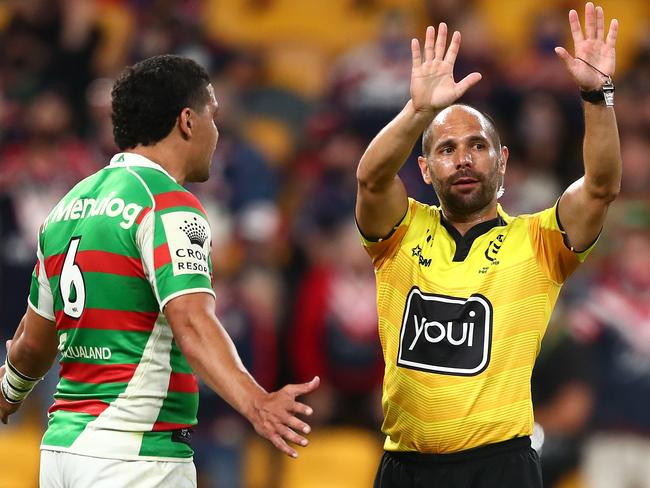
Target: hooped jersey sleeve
40	297
174	239
554	256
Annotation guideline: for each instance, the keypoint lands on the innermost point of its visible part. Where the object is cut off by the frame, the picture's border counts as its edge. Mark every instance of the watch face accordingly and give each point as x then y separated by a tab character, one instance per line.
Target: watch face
608	93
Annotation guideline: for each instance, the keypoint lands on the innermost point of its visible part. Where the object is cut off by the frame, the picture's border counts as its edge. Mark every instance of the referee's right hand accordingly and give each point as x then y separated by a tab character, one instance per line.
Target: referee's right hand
274	416
433	87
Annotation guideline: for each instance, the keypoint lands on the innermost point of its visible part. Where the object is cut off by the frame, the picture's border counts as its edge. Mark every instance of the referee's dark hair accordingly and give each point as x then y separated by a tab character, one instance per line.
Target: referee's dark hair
150	95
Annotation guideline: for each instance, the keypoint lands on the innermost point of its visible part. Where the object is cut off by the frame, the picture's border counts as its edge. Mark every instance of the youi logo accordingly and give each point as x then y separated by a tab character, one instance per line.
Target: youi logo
446	335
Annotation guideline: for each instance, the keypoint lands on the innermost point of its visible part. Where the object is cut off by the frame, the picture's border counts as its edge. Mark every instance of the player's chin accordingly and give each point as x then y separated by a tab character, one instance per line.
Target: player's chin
199	177
203	177
202	173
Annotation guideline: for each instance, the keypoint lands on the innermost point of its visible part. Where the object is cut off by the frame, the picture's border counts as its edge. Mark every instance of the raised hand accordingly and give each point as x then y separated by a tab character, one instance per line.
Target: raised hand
432	81
591	46
275	416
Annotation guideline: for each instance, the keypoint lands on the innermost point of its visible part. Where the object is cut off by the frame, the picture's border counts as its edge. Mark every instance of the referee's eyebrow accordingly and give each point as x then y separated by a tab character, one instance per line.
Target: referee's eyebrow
453	141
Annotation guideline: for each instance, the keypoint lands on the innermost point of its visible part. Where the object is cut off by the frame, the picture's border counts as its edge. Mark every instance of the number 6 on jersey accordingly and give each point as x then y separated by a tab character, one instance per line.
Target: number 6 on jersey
71	282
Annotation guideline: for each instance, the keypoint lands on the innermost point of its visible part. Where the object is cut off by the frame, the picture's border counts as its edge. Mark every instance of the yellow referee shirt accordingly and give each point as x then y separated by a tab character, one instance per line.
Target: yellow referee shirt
461	319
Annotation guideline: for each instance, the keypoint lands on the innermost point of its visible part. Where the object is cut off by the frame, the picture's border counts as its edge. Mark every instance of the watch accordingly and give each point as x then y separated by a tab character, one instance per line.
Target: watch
606	94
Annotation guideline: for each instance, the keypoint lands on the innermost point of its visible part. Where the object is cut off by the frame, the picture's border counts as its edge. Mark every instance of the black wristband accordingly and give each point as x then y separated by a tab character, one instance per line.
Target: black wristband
605	94
594	96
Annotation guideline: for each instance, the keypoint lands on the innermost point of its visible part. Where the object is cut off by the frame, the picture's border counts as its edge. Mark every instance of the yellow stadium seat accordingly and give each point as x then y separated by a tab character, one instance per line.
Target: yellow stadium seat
345	457
333	26
300	68
271	136
510	23
4	16
116	24
19	450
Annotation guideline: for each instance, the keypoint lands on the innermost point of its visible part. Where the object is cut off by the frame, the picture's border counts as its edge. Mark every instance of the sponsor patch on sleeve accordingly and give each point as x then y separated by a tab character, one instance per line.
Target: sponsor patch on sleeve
188	238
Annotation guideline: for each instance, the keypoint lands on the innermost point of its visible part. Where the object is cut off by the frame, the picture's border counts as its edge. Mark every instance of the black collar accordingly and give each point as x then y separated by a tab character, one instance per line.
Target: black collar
464	243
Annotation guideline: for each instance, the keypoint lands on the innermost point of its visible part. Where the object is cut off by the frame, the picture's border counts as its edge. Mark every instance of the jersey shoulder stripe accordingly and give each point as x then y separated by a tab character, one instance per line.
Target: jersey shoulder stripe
165	191
177	198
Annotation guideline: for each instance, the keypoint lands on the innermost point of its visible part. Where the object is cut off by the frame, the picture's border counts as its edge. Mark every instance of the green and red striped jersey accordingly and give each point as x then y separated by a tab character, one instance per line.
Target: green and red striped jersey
111	254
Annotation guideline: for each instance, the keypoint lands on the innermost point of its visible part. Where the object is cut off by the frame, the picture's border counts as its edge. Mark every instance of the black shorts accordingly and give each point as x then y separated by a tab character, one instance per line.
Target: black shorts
508	464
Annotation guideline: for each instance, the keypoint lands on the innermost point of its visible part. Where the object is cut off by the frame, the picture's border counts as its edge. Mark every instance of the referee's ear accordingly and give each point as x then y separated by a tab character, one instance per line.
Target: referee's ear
425	170
503	159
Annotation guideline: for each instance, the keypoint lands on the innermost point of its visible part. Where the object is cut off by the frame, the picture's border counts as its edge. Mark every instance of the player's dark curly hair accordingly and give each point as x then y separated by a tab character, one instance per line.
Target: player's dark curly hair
149	96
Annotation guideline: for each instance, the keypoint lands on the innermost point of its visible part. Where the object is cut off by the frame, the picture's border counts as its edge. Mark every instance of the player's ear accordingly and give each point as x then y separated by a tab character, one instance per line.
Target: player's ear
185	123
424	169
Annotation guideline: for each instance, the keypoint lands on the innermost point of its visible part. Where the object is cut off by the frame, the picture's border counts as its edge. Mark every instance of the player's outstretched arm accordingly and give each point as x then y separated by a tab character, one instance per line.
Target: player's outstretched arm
584	204
381	197
212	354
29	356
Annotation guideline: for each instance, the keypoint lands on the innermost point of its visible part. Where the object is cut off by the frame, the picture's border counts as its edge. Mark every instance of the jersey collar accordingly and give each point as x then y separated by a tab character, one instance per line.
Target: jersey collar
464	243
125	159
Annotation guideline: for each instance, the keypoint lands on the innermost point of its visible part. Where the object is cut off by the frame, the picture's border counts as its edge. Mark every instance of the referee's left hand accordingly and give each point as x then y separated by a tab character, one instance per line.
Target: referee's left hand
592	46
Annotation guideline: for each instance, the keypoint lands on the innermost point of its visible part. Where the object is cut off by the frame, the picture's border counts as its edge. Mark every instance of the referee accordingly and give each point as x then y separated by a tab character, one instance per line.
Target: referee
464	290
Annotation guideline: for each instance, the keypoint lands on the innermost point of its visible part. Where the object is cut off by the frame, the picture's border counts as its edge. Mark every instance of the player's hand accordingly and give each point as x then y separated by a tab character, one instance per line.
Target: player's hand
6	408
592	46
275	416
432	80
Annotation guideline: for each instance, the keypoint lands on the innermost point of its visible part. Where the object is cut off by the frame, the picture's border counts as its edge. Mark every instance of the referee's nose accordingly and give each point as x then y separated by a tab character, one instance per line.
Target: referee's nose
463	157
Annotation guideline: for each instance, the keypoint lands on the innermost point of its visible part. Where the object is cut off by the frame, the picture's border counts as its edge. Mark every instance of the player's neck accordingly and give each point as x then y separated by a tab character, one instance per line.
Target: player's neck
463	222
160	154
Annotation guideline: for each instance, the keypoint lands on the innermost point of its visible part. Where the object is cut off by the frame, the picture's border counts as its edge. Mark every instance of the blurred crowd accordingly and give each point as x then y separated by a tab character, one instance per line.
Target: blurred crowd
303	87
